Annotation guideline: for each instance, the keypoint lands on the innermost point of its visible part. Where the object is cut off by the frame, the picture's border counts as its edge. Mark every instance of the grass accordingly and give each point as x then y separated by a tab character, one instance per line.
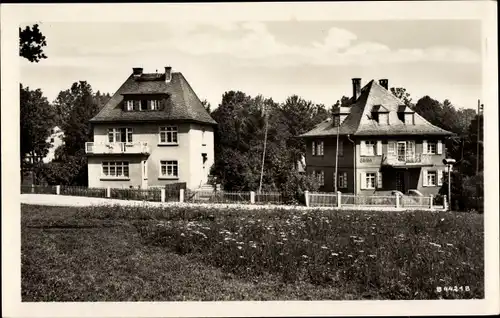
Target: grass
198	253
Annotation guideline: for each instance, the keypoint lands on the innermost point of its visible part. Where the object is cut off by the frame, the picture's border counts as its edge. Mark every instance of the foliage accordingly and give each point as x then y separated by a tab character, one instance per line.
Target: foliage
239	139
31	43
402	94
206	105
36	120
179	253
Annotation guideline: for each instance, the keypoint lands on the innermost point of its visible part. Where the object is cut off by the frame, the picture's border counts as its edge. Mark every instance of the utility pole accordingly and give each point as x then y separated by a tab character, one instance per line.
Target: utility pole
264	151
478	121
337	155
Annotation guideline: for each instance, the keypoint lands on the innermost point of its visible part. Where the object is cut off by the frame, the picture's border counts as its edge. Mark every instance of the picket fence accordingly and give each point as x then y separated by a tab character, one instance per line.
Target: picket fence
312	199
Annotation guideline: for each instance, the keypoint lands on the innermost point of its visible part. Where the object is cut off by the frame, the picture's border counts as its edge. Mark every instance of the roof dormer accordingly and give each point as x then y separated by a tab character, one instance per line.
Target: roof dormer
406	115
380	114
340	114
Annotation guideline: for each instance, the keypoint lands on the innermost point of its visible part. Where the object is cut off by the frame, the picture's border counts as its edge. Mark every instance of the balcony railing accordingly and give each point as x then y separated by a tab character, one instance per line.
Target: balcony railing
407	160
117	148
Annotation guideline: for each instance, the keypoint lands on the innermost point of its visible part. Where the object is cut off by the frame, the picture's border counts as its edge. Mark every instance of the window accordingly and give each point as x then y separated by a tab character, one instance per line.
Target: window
115	169
370	180
383	119
408	118
169	169
343	180
317	148
341	148
168	135
431	148
120	134
431	178
154	105
369	148
130	105
144	105
320	176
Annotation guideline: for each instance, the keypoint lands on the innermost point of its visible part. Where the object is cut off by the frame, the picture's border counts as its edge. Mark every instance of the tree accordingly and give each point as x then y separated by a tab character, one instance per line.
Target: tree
343	102
206	105
31	43
36	121
402	94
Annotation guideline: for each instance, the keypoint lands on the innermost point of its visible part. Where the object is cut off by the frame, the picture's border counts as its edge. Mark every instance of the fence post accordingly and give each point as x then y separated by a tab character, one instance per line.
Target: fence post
432	202
162	195
181	195
445	203
32	188
339	196
252	197
306	194
108	192
58	189
397	201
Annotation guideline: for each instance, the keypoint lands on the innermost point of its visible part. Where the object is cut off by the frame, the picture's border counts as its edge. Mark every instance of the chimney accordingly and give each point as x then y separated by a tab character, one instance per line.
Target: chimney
384	83
137	71
168	73
356	88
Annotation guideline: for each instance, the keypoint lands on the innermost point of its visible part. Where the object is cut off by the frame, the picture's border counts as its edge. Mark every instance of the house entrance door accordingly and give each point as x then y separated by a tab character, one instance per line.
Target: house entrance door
144	174
400	181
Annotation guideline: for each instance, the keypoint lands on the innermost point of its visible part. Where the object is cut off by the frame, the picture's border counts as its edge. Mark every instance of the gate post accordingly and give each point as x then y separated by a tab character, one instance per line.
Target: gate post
58	189
181	195
306	194
397	201
108	192
252	197
339	196
432	202
162	195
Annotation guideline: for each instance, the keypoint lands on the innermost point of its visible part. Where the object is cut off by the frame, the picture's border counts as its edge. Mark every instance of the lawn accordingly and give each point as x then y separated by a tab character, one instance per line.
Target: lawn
199	253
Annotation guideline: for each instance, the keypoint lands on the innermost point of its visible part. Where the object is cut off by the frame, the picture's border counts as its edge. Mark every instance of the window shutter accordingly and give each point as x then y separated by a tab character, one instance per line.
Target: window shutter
379	180
440	177
391	149
363	147
313	148
321	147
341	148
345	179
424	146
424	181
379	148
363	181
439	147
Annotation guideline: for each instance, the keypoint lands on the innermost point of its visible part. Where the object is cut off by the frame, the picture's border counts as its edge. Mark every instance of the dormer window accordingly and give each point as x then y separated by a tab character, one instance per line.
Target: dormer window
380	114
406	115
142	105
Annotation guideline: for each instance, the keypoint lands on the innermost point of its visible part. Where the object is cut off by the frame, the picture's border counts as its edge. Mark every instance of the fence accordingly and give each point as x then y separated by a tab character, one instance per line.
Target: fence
178	193
83	191
268	198
217	197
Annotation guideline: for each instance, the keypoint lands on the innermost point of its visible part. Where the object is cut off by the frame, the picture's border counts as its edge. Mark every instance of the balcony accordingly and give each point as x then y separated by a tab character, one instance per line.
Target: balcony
415	160
116	148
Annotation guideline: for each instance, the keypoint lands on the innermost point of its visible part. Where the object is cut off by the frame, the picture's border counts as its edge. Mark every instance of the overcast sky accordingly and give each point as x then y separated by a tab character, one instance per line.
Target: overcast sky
315	60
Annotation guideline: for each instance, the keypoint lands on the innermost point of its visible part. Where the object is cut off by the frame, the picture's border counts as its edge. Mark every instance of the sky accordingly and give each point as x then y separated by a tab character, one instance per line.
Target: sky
313	59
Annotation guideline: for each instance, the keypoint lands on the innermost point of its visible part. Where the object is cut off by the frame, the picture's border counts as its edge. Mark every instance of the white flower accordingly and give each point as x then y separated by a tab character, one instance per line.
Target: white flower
324	247
434	244
335	254
349	255
182	234
371	255
239	247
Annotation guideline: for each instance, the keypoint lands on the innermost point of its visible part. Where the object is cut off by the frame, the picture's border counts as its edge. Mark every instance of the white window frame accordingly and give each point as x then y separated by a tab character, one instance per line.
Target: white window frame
432	148
153	104
121	169
429	175
370	148
167	131
370	180
129	105
343	180
320	176
115	134
173	165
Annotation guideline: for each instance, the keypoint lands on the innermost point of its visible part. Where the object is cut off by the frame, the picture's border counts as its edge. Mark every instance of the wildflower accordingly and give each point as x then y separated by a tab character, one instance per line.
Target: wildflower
182	234
371	255
324	247
448	244
442	219
227	238
361	251
335	254
434	244
305	240
305	256
349	255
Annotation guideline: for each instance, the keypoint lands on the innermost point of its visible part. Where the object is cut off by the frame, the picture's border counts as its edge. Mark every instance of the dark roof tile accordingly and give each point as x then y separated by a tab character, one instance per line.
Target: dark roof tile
182	102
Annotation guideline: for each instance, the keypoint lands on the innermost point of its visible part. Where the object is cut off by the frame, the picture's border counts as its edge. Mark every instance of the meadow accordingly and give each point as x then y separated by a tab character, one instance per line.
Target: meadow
118	253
